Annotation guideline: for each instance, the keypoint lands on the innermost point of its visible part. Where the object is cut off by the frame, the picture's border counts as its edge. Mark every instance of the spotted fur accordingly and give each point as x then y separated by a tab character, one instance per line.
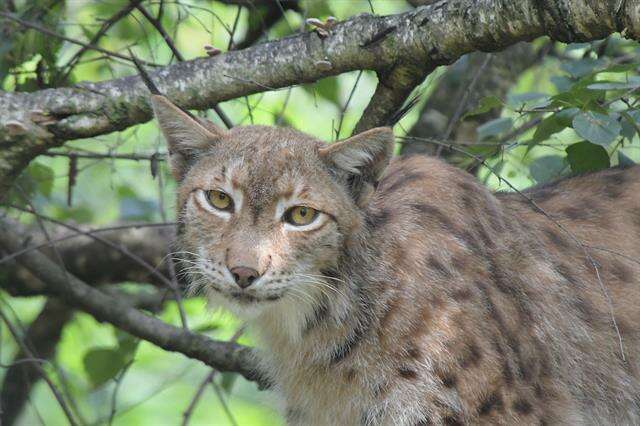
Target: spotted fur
424	299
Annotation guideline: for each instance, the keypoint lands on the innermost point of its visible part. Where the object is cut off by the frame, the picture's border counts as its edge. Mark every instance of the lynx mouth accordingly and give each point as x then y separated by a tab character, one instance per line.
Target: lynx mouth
248	298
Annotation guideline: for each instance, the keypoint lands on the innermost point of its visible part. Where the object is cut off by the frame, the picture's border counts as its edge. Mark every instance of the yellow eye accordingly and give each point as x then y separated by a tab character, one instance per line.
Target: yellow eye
219	200
300	215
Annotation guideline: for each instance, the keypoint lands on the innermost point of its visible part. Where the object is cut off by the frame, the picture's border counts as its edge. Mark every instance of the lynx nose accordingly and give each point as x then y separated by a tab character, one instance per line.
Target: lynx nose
244	276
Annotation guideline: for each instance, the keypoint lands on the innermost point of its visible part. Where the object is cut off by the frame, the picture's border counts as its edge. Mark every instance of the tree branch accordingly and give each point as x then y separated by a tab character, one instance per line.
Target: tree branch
84	257
431	35
392	91
223	356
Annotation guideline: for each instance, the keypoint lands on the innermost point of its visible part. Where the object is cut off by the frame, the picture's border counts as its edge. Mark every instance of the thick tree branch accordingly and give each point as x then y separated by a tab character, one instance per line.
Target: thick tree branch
223	356
431	35
85	257
392	91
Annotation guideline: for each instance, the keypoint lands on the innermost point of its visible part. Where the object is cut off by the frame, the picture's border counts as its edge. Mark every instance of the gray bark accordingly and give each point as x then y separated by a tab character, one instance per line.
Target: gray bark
92	261
431	35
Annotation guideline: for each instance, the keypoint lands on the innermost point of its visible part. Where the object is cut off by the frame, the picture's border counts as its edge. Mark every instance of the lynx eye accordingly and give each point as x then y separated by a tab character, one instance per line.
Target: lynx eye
219	200
300	215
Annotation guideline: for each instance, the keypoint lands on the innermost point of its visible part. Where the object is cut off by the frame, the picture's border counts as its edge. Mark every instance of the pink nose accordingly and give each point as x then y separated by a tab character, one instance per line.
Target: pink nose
244	276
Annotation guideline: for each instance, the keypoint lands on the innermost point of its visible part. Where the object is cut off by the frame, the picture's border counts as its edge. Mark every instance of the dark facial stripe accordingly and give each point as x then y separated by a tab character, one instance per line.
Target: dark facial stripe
522	406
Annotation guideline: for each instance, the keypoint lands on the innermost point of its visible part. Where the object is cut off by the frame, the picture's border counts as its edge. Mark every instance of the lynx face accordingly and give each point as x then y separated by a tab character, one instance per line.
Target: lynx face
256	235
267	212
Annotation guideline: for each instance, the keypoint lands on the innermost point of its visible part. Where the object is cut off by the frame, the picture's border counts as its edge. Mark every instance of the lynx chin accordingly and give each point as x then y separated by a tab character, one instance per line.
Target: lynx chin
404	292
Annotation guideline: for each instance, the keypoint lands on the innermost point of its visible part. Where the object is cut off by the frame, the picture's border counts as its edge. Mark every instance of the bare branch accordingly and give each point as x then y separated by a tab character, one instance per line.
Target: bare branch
84	257
48	32
106	25
36	365
172	46
43	335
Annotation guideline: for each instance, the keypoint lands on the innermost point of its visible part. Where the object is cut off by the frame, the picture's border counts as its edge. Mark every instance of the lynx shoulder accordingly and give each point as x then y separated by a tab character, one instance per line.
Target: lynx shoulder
404	292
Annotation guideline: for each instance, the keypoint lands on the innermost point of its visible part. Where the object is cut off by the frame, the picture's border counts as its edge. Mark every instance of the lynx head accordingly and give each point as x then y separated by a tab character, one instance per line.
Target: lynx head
266	211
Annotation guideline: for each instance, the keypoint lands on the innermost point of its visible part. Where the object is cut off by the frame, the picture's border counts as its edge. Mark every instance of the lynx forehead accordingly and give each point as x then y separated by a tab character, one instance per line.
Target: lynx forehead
406	293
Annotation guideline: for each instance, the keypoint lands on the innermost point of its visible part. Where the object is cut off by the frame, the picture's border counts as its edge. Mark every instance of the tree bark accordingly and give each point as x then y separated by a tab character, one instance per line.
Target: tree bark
431	35
92	261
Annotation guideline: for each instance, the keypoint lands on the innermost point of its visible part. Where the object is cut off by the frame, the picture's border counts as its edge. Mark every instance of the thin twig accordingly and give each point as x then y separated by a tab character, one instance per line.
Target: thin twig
48	32
463	102
41	371
223	402
114	397
170	266
172	46
153	270
186	416
98	35
346	105
99	156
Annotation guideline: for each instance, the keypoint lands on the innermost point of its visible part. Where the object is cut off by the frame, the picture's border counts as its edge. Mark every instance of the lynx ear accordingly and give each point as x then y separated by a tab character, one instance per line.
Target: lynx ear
361	159
185	134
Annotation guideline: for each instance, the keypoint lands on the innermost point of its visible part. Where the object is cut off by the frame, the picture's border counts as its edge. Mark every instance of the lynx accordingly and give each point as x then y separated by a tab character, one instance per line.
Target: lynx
403	292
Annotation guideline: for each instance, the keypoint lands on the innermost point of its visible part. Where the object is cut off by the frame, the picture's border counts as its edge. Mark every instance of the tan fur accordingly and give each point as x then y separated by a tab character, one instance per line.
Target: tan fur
433	301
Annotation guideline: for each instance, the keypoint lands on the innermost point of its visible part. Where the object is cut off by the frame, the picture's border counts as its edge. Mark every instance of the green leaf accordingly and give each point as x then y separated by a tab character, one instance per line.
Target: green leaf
37	179
632	83
553	124
581	67
485	105
546	168
103	364
586	157
562	83
42	177
494	127
625	161
529	100
630	124
577	96
597	128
